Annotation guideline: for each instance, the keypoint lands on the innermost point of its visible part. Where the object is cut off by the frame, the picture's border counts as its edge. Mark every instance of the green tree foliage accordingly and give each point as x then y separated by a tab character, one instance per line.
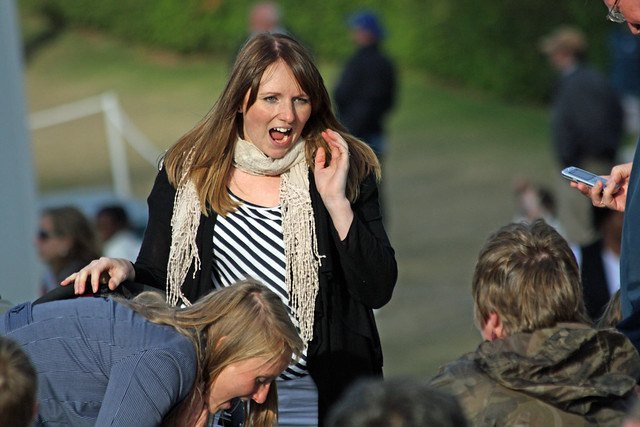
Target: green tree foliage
492	46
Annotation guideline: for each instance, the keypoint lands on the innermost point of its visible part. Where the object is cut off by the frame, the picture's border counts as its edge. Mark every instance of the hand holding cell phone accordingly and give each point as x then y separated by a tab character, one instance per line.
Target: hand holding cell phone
584	181
575	174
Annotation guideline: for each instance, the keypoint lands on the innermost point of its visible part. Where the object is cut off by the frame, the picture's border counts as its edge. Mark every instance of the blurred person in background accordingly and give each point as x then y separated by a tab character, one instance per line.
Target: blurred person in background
539	347
397	402
265	17
586	125
141	362
18	386
66	241
599	262
116	236
270	185
366	89
534	201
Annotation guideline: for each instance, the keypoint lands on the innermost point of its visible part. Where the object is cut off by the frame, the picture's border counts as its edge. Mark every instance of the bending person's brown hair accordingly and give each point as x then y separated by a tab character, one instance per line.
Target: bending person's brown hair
228	325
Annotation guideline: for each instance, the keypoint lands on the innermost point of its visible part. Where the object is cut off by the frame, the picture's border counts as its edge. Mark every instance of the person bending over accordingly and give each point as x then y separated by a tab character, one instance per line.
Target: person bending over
140	362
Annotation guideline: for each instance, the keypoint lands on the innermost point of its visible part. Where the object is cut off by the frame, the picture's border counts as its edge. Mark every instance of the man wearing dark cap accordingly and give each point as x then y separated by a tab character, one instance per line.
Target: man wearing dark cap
366	89
586	125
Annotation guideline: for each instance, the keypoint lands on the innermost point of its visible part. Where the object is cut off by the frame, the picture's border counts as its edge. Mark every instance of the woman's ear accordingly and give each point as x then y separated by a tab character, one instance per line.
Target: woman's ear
493	328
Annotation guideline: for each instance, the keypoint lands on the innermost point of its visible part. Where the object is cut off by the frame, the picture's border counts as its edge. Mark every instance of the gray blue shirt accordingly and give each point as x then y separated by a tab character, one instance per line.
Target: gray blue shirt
100	363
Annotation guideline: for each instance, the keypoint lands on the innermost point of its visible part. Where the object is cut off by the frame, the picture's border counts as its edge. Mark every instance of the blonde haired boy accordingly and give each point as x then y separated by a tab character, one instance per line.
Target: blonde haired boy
541	362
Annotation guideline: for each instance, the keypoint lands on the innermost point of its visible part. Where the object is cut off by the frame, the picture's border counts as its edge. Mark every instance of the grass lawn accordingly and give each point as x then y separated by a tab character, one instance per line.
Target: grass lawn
448	185
447	178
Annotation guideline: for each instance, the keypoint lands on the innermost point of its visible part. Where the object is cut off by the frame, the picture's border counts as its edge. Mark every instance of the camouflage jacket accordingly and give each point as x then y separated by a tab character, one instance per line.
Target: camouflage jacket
569	375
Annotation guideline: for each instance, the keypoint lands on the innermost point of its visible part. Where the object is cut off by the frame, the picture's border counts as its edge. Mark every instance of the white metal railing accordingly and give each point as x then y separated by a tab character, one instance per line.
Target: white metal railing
119	130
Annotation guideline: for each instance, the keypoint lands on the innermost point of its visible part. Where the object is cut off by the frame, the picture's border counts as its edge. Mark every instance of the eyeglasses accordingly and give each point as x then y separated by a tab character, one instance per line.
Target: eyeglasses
615	15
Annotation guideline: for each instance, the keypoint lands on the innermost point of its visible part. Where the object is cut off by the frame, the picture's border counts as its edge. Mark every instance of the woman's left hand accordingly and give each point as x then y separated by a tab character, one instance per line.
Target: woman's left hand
331	180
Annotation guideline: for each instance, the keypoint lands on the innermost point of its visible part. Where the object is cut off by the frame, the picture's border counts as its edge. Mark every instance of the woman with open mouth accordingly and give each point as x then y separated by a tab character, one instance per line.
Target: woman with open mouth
269	185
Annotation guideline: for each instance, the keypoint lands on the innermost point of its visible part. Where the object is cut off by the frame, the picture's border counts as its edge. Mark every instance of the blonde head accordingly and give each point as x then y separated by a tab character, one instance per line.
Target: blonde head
240	322
528	275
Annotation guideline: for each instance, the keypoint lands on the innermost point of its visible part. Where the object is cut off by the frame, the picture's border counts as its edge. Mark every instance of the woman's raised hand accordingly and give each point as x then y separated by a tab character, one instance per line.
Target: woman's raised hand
117	269
331	180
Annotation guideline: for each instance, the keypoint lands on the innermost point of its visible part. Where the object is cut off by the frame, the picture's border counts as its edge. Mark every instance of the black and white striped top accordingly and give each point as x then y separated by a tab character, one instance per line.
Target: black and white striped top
248	243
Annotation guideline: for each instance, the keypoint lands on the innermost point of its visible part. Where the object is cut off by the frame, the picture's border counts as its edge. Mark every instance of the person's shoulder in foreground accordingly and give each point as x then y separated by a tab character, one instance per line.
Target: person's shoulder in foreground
493	389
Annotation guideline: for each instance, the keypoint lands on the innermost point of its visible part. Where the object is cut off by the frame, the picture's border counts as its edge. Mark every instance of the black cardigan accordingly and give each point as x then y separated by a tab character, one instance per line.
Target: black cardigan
356	276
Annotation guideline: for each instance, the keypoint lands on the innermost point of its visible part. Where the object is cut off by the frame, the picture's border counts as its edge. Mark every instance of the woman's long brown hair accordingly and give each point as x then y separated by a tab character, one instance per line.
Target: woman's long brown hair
254	323
210	144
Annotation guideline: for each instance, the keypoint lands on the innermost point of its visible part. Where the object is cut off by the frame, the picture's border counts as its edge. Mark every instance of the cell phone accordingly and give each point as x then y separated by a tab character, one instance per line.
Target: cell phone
573	173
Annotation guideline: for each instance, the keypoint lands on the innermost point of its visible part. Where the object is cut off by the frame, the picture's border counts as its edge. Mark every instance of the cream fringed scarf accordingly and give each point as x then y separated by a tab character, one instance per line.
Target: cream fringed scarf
298	226
184	227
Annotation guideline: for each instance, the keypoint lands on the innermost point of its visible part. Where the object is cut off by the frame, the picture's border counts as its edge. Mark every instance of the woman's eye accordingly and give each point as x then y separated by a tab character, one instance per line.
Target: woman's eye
270	98
302	100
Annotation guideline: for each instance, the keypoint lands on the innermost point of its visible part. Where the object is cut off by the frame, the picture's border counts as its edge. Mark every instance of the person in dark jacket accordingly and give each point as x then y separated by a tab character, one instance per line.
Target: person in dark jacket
270	185
366	89
542	363
599	262
586	125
